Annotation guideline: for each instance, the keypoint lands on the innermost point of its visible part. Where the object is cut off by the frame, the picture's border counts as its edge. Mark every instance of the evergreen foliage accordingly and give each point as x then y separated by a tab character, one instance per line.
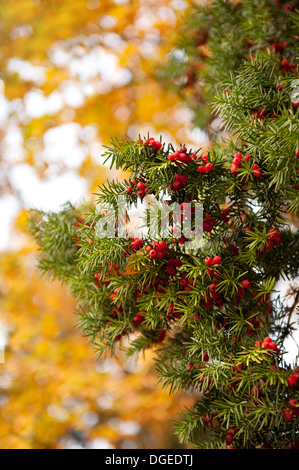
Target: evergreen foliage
211	314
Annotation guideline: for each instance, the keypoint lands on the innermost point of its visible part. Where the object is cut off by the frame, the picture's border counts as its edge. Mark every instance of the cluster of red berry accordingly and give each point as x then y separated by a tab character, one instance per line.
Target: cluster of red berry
279	47
136	243
181	156
293	410
158	250
172	312
113	268
241	292
206	166
224	323
293	380
209	223
255	171
288	67
185	283
274	239
114	295
209	417
268	344
212	297
224	215
261	114
230	436
100	283
237	163
156	144
137	188
160	335
213	264
255	325
172	264
213	261
138	319
180	181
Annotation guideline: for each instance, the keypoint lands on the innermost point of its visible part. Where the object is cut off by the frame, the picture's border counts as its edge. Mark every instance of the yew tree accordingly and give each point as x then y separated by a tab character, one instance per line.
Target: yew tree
212	313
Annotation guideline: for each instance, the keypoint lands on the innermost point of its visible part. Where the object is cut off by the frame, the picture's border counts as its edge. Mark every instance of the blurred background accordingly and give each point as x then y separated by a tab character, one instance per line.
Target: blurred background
74	73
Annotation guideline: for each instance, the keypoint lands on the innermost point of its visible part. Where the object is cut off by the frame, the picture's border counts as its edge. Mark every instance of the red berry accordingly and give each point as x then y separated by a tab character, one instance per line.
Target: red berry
163	245
233	431
236	162
139	318
183	282
177	263
206	304
141	185
288	415
209	167
201	169
129	189
209	418
237	367
209	261
182	157
177	185
294	405
267	340
171	270
161	335
206	357
157	145
235	251
229	439
292	380
216	260
246	284
207	227
241	292
137	243
188	159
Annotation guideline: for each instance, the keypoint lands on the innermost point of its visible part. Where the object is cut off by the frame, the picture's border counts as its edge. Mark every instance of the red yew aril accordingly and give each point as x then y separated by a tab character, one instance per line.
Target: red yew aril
288	415
209	261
